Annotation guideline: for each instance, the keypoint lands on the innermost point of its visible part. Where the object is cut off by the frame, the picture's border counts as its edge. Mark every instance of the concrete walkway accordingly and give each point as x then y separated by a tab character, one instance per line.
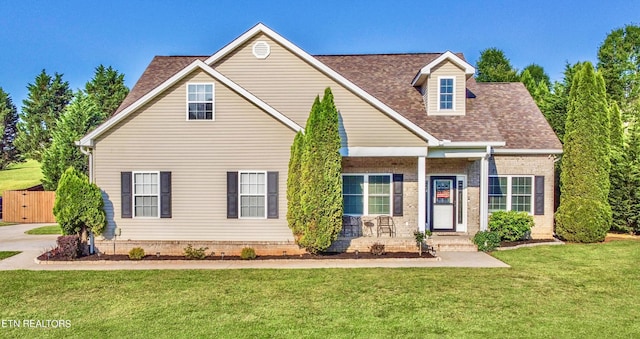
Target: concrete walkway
12	238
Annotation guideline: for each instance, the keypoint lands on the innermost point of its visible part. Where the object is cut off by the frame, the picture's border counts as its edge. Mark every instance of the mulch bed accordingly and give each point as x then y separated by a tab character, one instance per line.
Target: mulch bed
524	242
321	256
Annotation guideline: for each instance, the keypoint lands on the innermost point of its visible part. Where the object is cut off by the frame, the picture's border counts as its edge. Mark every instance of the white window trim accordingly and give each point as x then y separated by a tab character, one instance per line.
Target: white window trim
213	101
133	194
509	190
453	95
365	193
266	185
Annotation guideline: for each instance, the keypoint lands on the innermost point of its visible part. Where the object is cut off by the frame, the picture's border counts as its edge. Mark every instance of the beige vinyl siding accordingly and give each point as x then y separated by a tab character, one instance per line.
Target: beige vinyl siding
290	85
158	137
446	69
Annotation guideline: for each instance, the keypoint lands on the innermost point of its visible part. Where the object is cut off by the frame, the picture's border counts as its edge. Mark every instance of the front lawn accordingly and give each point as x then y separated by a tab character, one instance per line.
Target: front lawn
3	223
51	229
550	291
7	254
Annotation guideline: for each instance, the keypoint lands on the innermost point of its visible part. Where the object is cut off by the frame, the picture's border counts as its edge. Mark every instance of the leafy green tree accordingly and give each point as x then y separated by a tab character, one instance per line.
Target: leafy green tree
584	214
107	89
79	207
321	178
295	217
81	116
8	130
620	194
554	103
537	73
493	66
47	99
619	63
633	178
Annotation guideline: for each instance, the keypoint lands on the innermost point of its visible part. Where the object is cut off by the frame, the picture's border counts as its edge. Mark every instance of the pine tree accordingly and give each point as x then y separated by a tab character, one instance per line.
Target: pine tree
584	214
107	89
294	189
8	130
46	101
81	116
321	177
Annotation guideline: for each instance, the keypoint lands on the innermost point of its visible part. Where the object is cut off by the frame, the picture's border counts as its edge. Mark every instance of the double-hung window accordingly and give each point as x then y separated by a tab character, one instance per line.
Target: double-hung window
253	194
446	94
366	194
146	194
511	193
200	102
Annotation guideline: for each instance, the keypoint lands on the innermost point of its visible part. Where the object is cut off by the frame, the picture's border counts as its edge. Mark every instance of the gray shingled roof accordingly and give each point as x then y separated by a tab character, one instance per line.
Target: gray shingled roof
495	111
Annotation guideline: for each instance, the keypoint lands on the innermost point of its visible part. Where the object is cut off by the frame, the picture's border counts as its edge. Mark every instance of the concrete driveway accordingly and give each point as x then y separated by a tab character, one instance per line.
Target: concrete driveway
13	238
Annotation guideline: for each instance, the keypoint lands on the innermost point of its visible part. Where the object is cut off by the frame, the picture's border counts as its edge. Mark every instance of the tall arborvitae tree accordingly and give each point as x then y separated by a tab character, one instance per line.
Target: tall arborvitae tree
46	101
633	178
107	89
81	116
8	130
537	74
321	179
620	194
294	189
493	66
584	214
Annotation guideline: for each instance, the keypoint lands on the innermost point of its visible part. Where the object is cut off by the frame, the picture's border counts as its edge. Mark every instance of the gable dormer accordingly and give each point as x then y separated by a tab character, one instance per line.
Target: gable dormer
442	83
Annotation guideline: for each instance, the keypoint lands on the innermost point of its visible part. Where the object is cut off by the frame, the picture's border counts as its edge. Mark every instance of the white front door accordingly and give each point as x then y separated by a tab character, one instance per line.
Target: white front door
443	203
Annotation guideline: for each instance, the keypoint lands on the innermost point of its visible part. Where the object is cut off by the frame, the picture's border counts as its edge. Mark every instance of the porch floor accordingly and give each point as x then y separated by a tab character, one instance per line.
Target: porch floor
447	242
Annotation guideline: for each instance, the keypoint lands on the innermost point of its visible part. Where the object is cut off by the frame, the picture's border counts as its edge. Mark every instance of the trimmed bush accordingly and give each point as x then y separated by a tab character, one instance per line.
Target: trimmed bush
195	253
486	241
511	225
68	246
377	249
583	220
136	253
248	253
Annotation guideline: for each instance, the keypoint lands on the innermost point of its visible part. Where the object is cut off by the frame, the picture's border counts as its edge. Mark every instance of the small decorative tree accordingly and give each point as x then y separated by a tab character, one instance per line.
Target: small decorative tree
79	207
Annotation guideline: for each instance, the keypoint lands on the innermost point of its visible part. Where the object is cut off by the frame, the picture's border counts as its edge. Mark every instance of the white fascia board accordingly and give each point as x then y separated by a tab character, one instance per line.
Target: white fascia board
448	55
466	155
477	144
384	151
513	151
87	140
261	28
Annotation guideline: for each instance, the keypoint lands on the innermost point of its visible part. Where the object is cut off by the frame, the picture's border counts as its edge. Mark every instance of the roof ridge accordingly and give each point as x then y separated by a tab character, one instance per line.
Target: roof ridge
378	54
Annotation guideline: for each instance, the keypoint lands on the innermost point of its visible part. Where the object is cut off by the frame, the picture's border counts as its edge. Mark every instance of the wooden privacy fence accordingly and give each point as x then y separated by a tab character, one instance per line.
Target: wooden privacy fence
28	206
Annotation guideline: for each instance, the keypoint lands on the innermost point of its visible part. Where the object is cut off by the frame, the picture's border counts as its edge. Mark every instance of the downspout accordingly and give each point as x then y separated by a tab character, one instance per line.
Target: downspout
86	151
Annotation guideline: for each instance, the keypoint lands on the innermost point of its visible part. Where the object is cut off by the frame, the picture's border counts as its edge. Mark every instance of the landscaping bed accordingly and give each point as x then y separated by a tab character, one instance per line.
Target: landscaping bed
48	256
526	242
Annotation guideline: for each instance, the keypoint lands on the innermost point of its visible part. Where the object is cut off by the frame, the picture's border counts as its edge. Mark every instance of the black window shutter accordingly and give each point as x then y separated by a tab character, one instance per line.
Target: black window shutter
126	195
397	194
272	195
165	194
539	198
232	195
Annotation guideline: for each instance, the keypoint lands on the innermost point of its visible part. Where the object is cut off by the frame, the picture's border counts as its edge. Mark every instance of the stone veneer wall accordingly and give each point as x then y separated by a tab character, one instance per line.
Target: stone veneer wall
531	165
408	166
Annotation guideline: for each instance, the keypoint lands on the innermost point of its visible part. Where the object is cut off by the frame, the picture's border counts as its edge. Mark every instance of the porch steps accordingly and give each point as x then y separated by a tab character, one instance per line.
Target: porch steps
452	242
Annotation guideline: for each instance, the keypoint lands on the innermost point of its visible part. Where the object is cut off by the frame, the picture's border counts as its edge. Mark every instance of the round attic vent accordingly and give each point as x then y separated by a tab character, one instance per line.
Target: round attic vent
261	49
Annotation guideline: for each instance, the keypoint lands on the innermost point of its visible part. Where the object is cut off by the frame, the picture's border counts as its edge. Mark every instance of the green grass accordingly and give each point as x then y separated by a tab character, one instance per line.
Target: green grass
2	223
51	229
7	254
567	291
20	176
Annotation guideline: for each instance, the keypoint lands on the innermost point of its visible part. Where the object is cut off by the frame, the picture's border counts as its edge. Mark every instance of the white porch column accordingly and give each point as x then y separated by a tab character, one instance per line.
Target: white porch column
484	190
422	194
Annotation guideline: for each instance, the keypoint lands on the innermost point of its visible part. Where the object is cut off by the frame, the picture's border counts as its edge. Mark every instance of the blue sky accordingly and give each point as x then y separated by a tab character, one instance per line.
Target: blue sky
73	37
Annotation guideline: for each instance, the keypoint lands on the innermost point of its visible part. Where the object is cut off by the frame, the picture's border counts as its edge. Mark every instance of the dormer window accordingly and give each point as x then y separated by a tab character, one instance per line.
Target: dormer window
445	93
200	101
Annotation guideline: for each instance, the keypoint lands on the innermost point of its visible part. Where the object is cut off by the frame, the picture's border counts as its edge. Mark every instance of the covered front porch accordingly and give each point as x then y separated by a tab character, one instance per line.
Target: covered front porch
443	190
